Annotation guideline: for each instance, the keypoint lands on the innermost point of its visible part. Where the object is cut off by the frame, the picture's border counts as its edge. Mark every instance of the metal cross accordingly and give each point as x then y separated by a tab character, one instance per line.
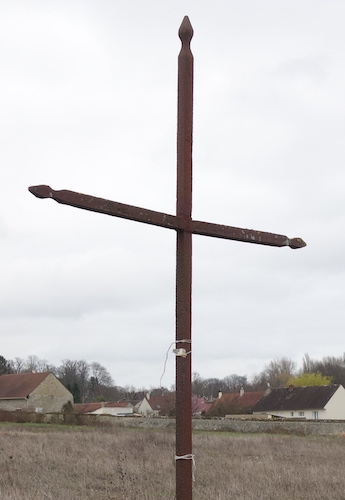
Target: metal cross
184	226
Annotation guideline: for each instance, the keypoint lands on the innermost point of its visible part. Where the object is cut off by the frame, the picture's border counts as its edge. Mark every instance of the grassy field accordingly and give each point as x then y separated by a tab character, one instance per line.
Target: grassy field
42	462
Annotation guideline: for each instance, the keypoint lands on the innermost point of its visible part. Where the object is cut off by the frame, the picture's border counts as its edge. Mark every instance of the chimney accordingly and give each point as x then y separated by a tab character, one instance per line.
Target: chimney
220	394
148	396
241	392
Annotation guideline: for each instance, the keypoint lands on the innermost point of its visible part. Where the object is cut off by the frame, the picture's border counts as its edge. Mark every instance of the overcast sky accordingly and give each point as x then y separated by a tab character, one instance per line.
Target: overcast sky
88	103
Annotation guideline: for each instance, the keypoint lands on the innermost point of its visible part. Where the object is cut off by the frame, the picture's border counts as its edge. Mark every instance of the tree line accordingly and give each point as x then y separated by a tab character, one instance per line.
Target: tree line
279	372
92	382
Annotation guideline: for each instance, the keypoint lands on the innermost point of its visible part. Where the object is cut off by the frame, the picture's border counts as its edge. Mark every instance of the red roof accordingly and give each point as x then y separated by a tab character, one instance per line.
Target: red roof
90	407
236	401
86	407
162	404
208	405
20	385
246	400
122	404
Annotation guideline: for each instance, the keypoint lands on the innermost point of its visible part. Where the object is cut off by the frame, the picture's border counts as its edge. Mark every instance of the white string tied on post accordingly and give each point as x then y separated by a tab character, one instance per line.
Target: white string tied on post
189	456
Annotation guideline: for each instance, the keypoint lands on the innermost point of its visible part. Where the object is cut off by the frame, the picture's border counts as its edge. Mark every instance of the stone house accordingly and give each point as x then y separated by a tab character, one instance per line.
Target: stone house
325	402
40	392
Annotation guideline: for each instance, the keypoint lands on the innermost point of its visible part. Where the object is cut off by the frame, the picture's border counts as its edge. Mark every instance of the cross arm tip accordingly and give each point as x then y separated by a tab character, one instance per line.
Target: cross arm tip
296	243
41	191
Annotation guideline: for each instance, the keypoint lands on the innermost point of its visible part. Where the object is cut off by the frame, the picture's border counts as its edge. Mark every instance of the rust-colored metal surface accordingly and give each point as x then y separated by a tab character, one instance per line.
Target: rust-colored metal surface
184	226
116	209
184	456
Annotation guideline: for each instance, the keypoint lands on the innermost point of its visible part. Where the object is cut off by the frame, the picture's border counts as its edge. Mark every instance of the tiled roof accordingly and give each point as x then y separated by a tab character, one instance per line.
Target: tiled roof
20	385
162	403
122	404
246	400
296	398
86	407
208	405
238	401
90	407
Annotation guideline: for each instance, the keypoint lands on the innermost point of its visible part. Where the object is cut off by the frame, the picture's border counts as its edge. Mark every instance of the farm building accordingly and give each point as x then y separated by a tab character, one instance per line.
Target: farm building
326	402
114	409
40	392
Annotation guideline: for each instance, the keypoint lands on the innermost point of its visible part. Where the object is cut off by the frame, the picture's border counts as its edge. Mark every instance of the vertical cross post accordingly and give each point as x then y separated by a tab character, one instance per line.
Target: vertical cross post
184	265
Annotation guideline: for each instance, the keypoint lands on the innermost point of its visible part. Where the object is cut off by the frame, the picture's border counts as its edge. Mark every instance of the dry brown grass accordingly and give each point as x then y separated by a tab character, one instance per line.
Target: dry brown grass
50	463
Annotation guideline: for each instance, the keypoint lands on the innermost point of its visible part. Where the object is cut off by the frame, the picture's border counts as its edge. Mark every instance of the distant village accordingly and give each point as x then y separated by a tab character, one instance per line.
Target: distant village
315	392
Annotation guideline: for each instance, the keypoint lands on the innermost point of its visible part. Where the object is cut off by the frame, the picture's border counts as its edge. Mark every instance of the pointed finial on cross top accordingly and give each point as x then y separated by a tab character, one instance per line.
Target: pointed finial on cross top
186	32
185	227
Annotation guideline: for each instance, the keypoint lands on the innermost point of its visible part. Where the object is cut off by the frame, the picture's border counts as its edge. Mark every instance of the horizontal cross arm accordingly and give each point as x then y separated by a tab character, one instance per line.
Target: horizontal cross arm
138	214
113	208
245	235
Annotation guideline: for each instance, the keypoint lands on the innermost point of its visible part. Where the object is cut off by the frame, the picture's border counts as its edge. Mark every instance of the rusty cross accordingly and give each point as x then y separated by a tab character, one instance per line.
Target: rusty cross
184	226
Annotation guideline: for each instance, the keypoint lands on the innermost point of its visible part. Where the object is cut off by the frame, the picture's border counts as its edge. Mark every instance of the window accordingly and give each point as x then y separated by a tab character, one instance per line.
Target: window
291	414
315	415
301	413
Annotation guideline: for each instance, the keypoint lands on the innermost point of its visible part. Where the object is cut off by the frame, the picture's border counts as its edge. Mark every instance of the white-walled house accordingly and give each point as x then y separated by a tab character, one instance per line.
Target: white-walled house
326	402
154	406
144	408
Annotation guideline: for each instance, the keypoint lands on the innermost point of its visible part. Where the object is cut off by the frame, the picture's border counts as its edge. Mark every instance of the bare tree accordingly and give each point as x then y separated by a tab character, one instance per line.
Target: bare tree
74	375
276	374
210	387
197	384
35	364
307	364
83	372
17	365
234	382
100	382
329	366
102	375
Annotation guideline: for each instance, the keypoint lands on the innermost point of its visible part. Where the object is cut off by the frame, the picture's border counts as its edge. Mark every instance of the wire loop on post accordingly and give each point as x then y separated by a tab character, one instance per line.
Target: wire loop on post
186	341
